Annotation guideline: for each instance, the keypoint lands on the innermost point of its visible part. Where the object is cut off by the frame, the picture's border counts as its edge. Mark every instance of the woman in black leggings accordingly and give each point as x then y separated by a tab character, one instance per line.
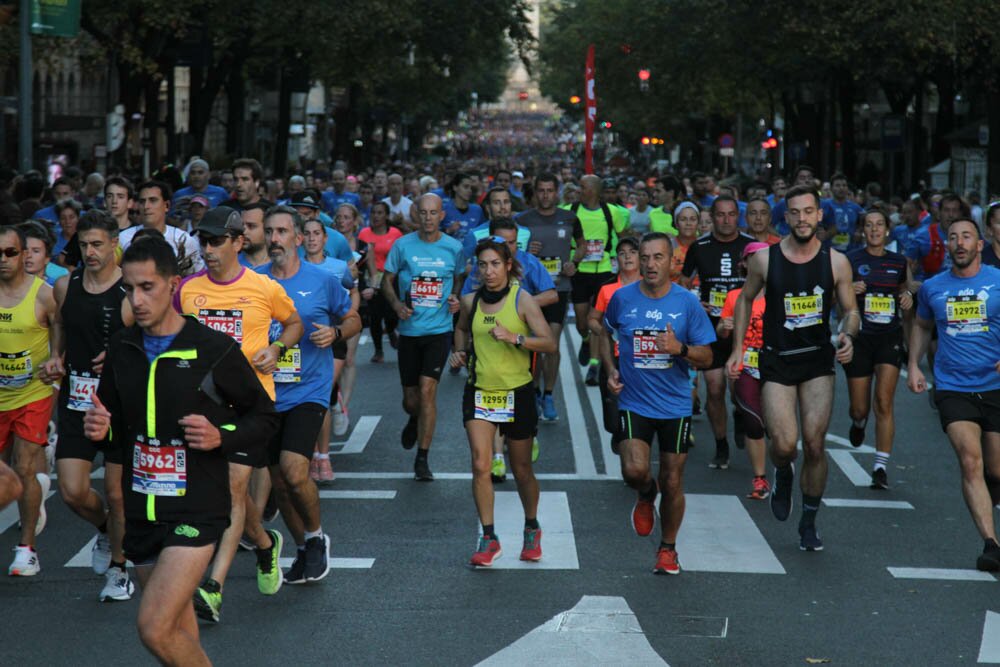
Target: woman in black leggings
379	236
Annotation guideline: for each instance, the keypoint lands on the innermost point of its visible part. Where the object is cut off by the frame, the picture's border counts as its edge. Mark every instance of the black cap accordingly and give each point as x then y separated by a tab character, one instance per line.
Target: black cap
304	200
221	221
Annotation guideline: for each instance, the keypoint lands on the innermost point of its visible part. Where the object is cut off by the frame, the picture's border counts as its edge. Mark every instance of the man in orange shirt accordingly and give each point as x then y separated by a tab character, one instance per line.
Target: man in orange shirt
241	303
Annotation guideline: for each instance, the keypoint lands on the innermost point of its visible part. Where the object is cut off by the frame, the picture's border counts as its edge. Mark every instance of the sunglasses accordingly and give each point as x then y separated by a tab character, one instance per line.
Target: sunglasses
10	252
214	241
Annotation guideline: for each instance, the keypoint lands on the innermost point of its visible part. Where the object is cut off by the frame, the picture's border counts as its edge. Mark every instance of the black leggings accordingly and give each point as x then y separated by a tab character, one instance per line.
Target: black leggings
379	310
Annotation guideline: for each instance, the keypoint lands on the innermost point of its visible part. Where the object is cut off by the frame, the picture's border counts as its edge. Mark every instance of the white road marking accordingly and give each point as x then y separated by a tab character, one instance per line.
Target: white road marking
558	542
357	495
845	460
597	631
337	563
940	574
868	504
862	449
363	340
611	466
359	438
989	648
555	476
582	455
718	535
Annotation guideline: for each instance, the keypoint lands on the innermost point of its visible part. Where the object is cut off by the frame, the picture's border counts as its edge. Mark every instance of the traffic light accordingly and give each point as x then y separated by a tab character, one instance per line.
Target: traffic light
646	141
644	75
606	125
769	143
574	99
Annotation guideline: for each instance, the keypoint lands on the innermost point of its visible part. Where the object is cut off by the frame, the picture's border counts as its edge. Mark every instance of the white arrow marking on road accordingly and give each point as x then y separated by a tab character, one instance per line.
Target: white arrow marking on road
360	436
597	631
868	504
940	574
357	495
989	648
850	467
611	465
582	455
718	535
558	542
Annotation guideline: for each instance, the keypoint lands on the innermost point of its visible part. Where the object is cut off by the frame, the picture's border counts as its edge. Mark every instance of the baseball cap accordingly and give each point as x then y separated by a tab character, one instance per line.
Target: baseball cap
221	221
753	247
517	174
304	200
200	199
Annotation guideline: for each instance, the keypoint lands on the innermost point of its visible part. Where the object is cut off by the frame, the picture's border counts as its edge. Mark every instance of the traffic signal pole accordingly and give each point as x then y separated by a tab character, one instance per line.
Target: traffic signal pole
24	129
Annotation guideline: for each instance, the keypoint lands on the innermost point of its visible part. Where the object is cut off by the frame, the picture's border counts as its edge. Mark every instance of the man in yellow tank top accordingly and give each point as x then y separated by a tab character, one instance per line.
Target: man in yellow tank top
27	310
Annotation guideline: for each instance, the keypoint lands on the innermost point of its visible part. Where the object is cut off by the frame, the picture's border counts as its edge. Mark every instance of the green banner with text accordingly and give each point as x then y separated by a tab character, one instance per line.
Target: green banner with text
56	18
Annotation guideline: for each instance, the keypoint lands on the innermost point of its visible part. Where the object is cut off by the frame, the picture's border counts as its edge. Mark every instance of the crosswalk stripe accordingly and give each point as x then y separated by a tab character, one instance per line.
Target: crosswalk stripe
357	495
558	541
611	465
940	574
868	504
718	535
574	414
359	438
337	563
989	648
845	460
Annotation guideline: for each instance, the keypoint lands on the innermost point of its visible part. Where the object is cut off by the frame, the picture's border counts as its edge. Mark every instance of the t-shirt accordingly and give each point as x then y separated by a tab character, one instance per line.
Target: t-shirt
906	244
593	233
339	269
477	234
213	193
402	206
382	242
753	340
841	221
154	346
882	275
604	296
920	247
332	200
716	262
241	308
555	233
305	372
966	312
54	272
427	273
656	383
639	220
662	221
186	247
467	219
534	279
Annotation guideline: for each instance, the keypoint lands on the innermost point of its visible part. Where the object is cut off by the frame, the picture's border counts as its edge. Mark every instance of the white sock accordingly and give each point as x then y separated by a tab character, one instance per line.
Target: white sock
322	457
314	533
881	460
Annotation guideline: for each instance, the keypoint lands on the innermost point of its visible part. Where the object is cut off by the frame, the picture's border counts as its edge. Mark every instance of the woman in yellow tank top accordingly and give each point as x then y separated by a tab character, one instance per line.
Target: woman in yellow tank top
499	329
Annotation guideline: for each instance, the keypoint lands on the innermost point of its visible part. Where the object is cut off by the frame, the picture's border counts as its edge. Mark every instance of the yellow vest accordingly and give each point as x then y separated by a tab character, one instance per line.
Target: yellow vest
499	365
24	347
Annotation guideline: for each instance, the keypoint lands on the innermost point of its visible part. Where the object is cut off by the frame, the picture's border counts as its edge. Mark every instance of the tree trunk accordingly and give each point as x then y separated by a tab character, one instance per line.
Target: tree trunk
993	153
845	93
940	148
280	162
151	122
236	142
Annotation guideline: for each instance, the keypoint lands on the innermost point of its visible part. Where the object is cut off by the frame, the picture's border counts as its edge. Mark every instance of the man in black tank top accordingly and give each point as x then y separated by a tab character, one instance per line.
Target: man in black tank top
800	280
91	306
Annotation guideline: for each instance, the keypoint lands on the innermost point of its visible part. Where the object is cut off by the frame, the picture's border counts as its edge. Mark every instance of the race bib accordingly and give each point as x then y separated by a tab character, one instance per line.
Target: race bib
82	388
16	369
966	314
229	322
751	361
879	308
426	292
494	406
644	352
595	250
716	300
289	366
553	265
159	470
803	311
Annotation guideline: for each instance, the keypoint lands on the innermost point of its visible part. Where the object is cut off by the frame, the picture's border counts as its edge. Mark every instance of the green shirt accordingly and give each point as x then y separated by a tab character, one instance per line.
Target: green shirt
594	231
661	221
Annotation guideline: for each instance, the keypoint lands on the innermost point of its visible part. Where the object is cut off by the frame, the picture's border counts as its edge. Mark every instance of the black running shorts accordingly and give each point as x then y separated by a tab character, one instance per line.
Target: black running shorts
870	350
525	412
555	313
671	434
981	408
422	356
585	286
794	369
144	540
78	447
298	429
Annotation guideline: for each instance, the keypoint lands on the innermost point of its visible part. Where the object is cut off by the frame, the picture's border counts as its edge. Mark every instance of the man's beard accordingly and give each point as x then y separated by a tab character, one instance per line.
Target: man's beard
803	240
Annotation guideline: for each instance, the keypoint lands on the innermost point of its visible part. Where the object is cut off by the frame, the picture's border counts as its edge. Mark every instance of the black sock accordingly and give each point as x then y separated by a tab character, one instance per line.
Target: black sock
103	528
531	524
810	505
211	586
120	566
649	493
721	445
991	545
422	454
488	531
548	392
668	545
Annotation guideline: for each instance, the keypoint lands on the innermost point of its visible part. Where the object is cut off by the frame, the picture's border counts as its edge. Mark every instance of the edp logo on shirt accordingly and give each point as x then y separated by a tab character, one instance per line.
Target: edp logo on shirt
654	315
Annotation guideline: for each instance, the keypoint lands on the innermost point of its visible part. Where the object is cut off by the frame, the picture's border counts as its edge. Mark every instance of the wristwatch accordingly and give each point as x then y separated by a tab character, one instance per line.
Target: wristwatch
520	340
338	334
684	351
280	345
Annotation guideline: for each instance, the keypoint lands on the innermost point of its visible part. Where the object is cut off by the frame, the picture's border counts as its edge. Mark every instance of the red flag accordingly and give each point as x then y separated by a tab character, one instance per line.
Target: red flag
591	111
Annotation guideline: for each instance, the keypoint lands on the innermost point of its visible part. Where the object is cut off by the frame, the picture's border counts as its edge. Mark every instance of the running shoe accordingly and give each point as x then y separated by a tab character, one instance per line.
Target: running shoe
100	555
880	480
296	574
268	573
989	560
208	601
25	563
643	516
856	435
271	510
583	355
498	470
761	489
325	471
549	413
45	482
393	339
534	449
245	544
409	436
810	539
781	493
666	562
487	551
532	549
317	557
118	586
341	418
720	462
422	471
377	358
314	469
592	375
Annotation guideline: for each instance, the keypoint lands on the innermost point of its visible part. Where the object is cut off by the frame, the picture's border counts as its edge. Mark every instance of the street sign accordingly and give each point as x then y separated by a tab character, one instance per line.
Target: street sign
726	140
116	127
727	152
55	18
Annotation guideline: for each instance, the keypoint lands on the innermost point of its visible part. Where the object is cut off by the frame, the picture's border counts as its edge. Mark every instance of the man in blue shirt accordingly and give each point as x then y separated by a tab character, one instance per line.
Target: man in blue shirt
661	331
198	174
332	199
534	277
840	216
303	380
905	235
963	303
429	266
498	205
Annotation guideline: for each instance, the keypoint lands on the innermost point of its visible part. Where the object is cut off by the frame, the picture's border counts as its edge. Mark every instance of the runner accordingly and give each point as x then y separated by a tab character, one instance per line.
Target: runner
990	256
173	438
686	218
90	308
460	213
841	215
254	251
746	377
963	303
154	203
380	237
800	279
27	313
651	382
882	284
429	267
499	327
713	258
229	298
759	221
303	379
348	221
38	254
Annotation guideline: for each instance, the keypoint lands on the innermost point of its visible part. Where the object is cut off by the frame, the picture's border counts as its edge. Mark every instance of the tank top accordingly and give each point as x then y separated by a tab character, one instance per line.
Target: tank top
24	347
798	298
88	322
496	365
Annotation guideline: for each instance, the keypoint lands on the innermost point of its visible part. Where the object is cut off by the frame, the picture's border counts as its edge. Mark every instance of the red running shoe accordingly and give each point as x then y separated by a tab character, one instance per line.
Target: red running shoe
487	552
666	562
643	517
532	549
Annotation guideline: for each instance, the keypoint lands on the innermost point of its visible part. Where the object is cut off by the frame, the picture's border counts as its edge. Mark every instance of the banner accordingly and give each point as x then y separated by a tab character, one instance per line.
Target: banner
56	18
591	111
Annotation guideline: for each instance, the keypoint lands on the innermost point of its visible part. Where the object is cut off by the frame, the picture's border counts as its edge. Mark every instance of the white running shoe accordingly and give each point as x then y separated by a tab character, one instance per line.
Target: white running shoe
46	483
25	563
341	419
118	586
100	555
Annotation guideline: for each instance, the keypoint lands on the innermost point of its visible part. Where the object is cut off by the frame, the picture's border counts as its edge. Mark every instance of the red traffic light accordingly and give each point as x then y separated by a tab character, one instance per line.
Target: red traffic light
645	141
769	143
523	95
644	75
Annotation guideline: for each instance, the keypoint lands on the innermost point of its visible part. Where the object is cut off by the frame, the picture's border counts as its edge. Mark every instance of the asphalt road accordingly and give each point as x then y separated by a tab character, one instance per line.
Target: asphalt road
401	592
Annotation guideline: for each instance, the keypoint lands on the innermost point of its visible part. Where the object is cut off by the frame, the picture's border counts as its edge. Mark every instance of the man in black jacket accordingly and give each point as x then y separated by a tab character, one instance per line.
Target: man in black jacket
175	396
